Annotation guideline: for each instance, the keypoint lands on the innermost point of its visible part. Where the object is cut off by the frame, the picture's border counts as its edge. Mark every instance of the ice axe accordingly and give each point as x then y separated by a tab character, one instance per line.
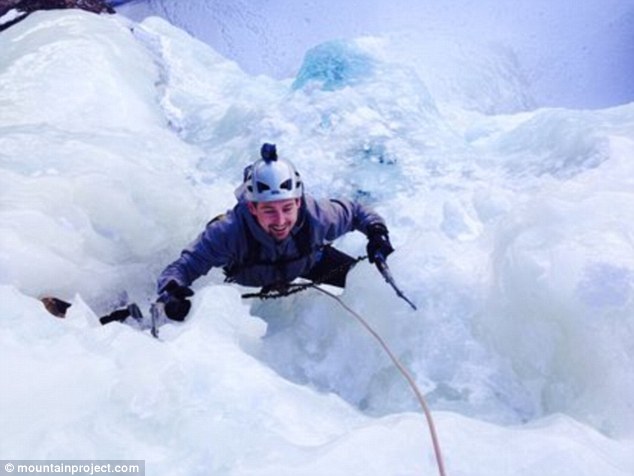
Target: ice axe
384	269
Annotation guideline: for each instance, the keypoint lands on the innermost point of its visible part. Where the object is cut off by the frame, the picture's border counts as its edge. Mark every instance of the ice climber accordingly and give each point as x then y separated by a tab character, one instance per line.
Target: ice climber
274	234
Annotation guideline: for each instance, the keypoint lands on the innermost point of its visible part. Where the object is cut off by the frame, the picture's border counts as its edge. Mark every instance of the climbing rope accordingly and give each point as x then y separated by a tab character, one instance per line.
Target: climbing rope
277	291
404	372
288	289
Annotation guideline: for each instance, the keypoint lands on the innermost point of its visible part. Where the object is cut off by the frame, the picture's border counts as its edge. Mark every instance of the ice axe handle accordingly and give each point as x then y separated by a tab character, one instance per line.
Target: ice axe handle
383	268
154	320
381	265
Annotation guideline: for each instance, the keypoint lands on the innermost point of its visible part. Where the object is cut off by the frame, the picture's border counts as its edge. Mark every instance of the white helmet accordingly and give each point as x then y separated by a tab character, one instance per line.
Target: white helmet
270	178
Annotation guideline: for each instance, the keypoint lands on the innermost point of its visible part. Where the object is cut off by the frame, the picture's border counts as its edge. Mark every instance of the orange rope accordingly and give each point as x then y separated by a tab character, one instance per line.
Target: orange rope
406	374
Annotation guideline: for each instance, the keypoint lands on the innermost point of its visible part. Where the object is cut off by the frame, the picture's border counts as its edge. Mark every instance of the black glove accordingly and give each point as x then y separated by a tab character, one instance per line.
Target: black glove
379	245
174	297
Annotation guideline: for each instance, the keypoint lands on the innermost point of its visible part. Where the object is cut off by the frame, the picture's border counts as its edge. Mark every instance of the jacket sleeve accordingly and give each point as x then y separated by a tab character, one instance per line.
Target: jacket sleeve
340	216
211	249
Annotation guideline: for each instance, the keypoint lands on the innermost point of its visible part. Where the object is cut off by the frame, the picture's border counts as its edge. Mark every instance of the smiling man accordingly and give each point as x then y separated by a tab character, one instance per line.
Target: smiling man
274	234
276	218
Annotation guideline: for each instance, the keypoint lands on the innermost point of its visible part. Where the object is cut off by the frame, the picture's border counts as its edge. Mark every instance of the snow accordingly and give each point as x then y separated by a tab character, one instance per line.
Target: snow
119	141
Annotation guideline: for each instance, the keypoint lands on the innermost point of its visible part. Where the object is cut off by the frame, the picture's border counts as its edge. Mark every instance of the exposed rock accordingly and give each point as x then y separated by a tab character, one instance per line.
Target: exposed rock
22	8
55	306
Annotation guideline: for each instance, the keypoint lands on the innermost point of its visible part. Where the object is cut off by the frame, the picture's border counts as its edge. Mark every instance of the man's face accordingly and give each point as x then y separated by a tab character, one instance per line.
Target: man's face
278	217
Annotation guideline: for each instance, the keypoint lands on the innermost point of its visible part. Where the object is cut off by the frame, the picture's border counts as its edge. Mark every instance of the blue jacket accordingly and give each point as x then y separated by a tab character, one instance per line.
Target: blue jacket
251	257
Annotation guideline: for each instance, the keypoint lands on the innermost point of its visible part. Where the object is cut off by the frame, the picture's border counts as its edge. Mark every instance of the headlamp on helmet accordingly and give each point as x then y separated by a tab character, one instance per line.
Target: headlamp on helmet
271	178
